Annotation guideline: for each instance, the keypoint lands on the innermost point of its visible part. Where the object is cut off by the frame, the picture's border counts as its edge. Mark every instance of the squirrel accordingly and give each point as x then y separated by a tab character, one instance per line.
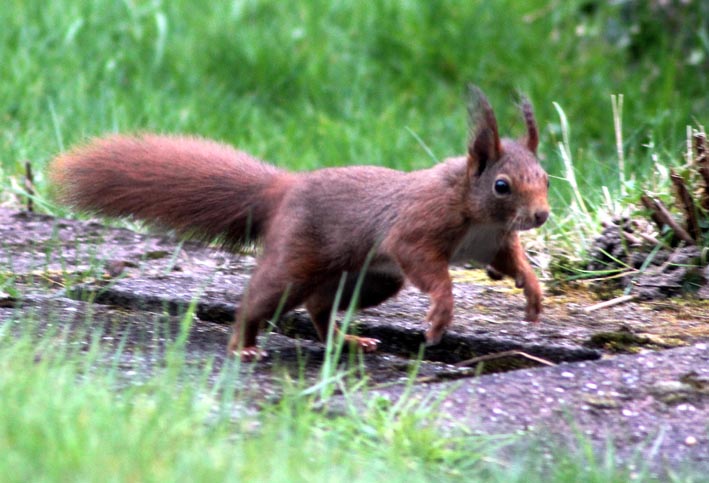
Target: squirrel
320	229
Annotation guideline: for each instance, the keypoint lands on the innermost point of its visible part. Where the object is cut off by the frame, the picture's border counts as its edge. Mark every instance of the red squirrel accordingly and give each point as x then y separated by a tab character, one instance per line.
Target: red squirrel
316	226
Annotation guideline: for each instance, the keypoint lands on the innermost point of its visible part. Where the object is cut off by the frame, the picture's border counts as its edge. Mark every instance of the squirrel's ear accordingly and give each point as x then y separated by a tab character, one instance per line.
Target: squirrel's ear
484	144
532	139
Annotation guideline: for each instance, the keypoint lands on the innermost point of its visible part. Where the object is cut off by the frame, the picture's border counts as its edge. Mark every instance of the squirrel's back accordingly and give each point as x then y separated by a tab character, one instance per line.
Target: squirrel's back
195	186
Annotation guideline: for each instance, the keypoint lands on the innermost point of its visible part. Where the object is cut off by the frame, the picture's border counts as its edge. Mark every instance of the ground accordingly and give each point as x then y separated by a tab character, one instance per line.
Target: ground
635	374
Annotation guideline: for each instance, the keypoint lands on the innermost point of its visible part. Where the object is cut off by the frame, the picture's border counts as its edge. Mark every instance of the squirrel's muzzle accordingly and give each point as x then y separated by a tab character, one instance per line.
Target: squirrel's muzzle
540	217
528	220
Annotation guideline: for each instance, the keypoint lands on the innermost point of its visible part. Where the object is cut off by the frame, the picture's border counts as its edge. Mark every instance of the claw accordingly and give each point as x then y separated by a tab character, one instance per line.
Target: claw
532	314
433	337
367	344
250	354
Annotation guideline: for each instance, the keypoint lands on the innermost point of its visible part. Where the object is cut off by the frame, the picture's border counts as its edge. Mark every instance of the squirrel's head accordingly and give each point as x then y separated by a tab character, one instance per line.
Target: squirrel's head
506	180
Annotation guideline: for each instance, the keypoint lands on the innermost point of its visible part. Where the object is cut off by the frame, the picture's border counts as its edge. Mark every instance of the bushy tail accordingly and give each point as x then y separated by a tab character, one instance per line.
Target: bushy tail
199	188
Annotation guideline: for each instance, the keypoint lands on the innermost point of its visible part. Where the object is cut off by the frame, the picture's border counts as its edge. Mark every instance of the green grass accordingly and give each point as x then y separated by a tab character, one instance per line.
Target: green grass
63	419
320	83
305	85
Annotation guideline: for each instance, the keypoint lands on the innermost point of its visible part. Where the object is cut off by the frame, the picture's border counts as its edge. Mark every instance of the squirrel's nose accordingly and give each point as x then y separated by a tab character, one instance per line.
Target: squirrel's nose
540	217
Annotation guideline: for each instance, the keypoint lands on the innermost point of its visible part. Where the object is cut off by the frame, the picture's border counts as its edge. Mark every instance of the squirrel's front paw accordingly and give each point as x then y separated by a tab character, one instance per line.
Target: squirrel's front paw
437	327
533	294
532	312
434	335
534	305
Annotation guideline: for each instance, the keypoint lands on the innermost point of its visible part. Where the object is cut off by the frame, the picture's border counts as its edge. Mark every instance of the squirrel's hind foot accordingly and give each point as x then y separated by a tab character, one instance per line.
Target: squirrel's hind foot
249	354
367	344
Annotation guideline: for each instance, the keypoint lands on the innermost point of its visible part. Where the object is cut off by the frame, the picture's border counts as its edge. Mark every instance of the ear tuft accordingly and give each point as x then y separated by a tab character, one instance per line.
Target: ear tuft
532	139
484	143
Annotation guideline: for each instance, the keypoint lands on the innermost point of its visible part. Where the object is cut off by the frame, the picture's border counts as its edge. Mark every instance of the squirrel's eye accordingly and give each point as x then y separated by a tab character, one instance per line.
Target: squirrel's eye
502	187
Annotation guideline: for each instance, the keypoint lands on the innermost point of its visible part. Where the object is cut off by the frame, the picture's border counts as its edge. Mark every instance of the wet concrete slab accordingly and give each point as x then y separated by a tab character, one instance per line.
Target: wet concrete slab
652	408
397	324
138	341
86	260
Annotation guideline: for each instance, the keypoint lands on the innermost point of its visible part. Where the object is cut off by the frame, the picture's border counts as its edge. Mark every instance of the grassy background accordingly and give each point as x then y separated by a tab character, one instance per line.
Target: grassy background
309	84
321	83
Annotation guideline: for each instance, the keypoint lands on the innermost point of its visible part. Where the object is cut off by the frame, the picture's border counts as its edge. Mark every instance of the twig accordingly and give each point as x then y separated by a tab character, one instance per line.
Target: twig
662	216
701	159
649	238
610	303
631	239
686	203
448	375
29	186
617	105
650	206
443	376
503	354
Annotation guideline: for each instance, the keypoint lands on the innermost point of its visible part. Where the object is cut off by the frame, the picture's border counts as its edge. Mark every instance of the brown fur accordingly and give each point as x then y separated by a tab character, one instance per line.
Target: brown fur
316	226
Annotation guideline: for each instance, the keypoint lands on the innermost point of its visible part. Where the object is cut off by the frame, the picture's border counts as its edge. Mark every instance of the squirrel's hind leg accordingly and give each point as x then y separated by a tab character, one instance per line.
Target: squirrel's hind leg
375	289
320	308
268	294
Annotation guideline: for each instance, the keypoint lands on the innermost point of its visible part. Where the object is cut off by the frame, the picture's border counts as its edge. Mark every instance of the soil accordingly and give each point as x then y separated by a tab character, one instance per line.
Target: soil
634	374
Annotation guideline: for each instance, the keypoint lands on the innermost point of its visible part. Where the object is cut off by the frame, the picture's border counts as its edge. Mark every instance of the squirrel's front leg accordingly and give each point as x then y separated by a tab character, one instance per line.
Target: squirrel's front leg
431	276
512	261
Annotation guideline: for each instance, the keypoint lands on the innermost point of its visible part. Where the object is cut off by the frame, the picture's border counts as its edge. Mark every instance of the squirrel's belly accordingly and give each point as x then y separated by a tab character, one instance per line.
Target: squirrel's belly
385	266
479	244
